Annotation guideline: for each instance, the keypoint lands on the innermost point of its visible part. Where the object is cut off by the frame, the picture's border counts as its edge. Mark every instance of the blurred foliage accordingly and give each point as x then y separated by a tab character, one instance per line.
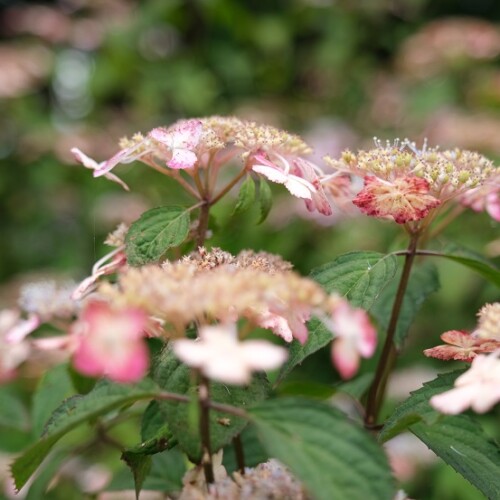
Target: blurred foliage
85	73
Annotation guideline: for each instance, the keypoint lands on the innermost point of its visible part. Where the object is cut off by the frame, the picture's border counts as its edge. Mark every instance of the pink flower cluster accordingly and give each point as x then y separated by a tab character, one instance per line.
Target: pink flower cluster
479	387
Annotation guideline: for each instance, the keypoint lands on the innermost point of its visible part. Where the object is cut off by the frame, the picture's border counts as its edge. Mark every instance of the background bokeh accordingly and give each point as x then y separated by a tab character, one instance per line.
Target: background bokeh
86	72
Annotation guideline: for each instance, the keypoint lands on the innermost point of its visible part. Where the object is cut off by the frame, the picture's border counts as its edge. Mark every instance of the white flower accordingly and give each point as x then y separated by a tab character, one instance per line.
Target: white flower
478	387
220	356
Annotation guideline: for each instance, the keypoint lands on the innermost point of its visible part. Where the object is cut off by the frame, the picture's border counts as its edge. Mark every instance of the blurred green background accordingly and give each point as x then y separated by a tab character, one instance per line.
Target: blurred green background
85	73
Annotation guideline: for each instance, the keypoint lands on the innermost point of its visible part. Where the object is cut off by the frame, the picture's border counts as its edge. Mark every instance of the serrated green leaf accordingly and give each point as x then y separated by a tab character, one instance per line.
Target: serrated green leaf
424	280
166	473
358	276
173	376
472	260
76	410
156	438
417	407
265	200
54	387
246	196
459	440
334	457
154	233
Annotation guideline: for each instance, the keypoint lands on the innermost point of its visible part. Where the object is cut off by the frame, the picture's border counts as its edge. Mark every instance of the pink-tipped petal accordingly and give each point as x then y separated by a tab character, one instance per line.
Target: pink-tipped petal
345	358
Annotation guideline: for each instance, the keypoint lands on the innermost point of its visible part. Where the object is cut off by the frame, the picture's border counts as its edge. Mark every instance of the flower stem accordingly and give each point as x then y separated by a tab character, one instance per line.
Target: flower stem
202	224
240	454
229	186
204	403
389	352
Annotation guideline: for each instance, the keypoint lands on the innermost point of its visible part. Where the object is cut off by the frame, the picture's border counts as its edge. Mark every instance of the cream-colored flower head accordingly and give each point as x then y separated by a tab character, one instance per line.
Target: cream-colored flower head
489	322
448	173
217	286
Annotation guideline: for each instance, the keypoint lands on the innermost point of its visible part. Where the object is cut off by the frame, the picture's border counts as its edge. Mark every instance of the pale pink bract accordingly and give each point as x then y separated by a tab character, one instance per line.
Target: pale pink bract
110	342
478	388
220	356
355	337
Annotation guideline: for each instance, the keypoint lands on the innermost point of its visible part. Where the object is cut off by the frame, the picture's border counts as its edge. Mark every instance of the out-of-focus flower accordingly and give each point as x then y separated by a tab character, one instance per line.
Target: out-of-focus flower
406	184
355	337
110	342
13	347
93	165
257	287
478	387
461	346
489	322
220	356
484	198
49	299
448	43
408	456
109	264
22	69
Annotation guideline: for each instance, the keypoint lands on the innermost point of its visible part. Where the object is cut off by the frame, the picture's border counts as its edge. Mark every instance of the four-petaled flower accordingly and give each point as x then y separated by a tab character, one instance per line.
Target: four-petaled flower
109	342
461	346
478	387
220	356
403	199
180	140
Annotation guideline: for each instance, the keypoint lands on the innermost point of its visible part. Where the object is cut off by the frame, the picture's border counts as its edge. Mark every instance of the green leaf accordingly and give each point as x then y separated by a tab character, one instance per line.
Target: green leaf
156	438
246	196
166	473
253	451
358	276
472	260
54	387
173	376
76	410
265	200
424	280
154	233
334	457
13	414
417	407
459	440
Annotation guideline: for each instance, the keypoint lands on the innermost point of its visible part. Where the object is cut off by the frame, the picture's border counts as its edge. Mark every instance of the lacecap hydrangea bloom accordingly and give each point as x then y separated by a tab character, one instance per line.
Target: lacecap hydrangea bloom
408	185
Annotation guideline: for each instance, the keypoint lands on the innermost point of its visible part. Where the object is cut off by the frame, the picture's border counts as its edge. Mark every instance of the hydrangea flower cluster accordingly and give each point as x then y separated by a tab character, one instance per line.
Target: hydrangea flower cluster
479	386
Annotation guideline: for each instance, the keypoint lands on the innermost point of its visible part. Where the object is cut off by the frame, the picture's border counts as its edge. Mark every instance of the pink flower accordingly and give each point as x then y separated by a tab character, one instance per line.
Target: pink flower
220	356
110	342
486	197
127	155
93	165
404	199
461	346
355	337
279	171
13	347
117	259
478	387
286	324
180	139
